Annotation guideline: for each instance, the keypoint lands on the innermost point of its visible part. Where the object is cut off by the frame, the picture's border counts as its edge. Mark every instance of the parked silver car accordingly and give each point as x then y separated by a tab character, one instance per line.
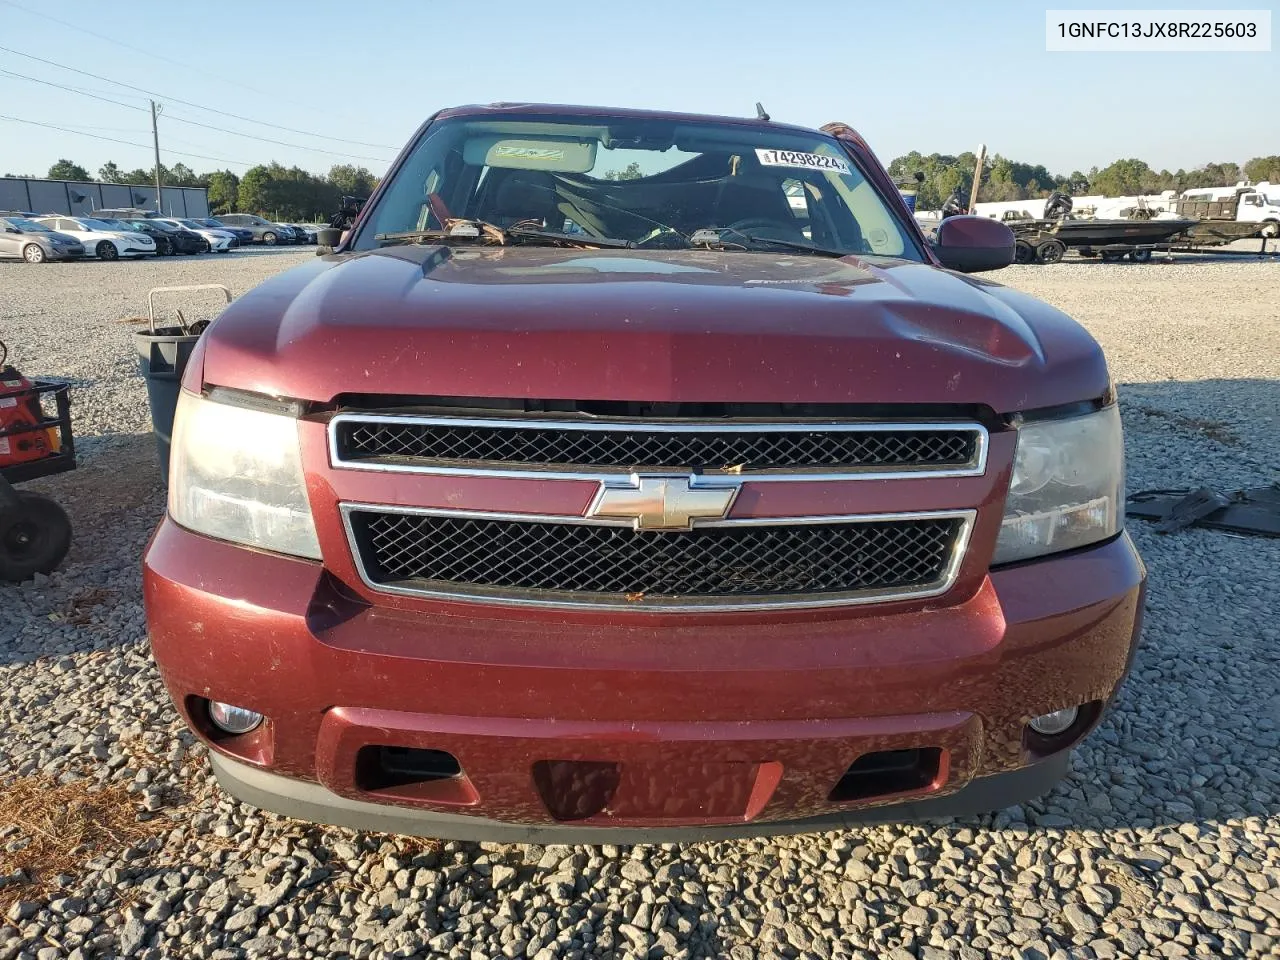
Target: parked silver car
264	231
33	242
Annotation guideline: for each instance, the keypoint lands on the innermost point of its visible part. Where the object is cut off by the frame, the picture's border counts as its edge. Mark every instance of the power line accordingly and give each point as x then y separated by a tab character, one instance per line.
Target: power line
127	143
150	53
198	106
194	123
78	90
282	143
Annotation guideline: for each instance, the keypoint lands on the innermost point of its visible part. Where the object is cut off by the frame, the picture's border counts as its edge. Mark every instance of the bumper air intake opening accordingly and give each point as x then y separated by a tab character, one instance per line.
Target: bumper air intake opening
386	768
887	772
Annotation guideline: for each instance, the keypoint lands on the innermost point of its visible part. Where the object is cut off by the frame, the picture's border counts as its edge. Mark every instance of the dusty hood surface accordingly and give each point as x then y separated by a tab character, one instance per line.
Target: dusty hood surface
650	326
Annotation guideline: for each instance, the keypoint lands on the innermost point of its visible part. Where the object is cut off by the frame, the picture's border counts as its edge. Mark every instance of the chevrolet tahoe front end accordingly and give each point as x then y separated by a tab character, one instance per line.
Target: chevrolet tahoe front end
561	504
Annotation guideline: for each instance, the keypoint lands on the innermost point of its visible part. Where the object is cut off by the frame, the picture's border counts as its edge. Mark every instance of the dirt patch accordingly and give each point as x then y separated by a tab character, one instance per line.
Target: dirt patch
1213	429
49	829
79	610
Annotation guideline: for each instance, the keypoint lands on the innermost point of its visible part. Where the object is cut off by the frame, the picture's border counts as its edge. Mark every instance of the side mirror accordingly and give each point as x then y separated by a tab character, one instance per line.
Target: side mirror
12	230
329	236
972	244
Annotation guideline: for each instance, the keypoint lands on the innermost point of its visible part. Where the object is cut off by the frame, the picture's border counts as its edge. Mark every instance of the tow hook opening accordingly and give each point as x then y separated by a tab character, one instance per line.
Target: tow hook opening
382	767
887	772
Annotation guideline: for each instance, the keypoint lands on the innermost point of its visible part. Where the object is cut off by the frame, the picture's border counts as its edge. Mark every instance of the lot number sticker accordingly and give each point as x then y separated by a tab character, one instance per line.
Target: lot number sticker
806	161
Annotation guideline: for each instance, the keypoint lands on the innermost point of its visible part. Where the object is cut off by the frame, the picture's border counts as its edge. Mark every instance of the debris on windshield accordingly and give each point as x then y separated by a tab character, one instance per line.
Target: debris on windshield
460	227
705	235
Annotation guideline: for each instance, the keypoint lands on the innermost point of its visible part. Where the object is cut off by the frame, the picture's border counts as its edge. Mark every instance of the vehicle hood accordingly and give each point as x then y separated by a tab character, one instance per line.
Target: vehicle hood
653	326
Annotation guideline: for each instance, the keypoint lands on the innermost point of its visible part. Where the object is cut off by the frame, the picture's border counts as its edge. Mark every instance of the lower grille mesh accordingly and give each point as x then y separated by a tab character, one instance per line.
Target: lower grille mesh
583	563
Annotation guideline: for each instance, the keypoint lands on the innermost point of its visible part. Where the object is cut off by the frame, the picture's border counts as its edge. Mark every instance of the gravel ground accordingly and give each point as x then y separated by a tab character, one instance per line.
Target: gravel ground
1163	842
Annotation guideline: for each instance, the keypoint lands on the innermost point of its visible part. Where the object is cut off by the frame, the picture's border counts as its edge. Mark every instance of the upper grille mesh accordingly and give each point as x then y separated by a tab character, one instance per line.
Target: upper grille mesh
581	563
642	447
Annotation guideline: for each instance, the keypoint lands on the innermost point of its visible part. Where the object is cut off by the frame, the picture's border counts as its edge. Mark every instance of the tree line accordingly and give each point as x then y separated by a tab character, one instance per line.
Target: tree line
1004	179
271	189
291	193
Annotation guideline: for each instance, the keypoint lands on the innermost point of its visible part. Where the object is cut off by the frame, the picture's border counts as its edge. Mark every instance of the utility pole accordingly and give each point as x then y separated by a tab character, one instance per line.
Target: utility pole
155	137
977	175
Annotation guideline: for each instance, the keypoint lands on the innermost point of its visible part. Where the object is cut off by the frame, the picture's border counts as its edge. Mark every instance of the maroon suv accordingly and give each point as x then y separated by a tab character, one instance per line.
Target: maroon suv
624	476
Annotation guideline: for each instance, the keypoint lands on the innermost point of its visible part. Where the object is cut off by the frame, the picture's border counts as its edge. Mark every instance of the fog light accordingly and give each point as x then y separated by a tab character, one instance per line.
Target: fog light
1052	724
232	719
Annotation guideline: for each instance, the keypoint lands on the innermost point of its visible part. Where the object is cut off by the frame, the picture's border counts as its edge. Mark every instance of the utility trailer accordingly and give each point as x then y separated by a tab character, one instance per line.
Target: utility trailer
1217	233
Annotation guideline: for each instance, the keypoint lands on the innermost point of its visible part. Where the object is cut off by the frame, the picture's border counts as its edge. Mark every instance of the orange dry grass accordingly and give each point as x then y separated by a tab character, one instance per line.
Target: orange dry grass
63	825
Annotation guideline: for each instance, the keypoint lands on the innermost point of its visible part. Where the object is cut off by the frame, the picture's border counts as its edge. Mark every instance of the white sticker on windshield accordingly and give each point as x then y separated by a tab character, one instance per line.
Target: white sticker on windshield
807	161
528	153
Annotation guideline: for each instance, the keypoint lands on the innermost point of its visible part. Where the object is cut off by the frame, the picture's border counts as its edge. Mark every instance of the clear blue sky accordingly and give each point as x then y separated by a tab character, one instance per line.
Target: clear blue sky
937	76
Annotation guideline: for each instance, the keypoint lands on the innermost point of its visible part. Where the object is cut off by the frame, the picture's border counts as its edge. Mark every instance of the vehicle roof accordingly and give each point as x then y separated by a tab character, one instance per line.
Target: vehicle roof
505	109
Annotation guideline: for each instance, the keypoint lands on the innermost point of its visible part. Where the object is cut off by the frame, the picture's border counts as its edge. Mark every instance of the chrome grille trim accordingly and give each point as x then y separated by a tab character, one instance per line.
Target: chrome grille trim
976	467
510	598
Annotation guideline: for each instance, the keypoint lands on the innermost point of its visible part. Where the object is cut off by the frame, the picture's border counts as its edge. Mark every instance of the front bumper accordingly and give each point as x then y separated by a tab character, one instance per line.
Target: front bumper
64	253
314	802
692	726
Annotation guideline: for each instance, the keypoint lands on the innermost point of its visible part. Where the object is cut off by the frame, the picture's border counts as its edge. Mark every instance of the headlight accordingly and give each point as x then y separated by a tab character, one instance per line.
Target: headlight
1067	487
236	474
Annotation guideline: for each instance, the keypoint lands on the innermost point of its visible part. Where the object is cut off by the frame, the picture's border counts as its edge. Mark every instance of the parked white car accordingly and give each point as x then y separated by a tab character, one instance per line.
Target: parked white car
99	239
220	241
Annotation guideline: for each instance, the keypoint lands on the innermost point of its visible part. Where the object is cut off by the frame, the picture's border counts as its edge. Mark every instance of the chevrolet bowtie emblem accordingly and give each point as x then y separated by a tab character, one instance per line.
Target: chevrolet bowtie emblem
662	503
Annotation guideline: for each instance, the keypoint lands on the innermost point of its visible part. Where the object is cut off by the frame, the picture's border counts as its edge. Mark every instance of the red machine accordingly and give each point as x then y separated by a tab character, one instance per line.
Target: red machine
35	533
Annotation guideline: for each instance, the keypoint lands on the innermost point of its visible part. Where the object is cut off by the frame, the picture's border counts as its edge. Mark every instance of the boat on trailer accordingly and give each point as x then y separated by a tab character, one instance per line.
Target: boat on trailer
1046	241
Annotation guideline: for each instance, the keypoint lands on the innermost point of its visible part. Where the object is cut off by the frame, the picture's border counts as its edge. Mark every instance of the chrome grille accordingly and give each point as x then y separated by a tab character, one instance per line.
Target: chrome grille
739	447
566	562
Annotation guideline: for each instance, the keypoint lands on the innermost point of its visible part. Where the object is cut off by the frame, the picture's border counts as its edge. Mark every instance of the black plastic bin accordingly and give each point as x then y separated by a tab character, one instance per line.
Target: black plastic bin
163	353
162	358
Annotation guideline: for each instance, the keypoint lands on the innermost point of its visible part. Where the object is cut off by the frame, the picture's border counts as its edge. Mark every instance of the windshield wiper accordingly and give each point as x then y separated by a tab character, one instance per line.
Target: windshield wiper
715	237
481	231
573	239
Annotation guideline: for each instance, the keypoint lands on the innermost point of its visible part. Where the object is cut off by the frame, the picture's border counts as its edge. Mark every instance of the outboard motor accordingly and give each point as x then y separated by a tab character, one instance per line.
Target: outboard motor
954	206
1057	206
346	217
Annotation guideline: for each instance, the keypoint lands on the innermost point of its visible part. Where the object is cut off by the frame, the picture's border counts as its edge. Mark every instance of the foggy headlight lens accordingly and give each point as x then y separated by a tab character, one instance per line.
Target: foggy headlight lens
236	474
1067	488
